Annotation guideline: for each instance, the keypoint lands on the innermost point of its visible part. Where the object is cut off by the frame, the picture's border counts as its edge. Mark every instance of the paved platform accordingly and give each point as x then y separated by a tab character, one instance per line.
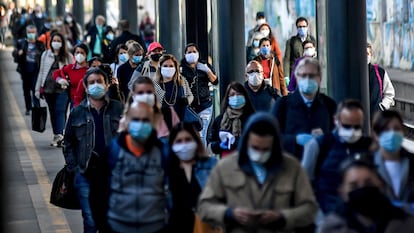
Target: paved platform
30	165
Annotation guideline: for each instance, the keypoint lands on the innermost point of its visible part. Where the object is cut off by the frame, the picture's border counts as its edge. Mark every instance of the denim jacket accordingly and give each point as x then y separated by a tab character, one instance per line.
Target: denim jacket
79	139
202	170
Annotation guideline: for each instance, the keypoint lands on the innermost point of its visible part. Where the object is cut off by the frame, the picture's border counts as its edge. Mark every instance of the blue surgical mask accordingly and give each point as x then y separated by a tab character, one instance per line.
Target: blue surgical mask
265	50
136	59
110	36
96	90
237	101
139	130
123	57
391	140
302	32
256	43
308	86
31	36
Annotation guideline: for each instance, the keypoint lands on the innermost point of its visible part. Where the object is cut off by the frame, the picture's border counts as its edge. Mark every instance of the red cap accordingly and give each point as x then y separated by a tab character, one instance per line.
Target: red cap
154	45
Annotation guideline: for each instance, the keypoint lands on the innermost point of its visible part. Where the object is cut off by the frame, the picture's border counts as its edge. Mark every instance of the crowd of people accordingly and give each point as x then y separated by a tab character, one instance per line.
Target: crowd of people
280	157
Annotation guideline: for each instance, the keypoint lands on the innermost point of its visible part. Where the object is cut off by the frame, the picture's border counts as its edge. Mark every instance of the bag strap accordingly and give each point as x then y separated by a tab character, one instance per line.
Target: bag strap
379	79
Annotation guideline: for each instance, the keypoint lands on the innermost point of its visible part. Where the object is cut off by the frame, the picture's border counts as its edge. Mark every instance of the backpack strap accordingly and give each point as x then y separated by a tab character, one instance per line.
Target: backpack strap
379	79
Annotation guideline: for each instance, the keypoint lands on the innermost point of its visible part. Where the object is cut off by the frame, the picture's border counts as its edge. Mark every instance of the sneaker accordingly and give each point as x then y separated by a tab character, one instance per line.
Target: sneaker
60	140
55	140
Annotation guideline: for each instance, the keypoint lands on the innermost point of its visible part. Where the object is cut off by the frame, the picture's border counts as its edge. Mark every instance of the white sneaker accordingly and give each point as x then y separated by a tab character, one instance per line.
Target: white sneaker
57	140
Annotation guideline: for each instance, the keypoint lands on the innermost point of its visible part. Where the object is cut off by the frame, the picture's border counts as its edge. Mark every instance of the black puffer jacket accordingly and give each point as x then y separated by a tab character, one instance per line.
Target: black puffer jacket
198	81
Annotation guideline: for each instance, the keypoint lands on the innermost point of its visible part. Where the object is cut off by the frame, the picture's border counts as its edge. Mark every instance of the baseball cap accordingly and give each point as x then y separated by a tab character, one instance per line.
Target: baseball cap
154	45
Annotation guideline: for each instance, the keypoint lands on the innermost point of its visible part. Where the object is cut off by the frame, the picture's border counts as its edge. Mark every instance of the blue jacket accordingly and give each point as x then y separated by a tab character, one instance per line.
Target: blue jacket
328	174
295	117
79	139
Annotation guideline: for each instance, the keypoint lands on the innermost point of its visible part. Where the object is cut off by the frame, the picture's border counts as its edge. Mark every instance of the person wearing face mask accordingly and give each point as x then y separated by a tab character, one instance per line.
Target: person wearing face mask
226	129
306	113
71	76
259	188
172	89
260	19
95	36
108	37
90	128
27	55
73	28
253	49
120	58
323	155
262	95
134	176
188	169
57	98
199	75
309	50
381	90
272	67
395	163
266	32
294	48
38	18
125	71
150	66
365	207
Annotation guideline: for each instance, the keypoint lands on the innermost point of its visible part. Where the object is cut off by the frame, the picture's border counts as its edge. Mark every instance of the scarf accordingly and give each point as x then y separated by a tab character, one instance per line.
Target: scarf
231	121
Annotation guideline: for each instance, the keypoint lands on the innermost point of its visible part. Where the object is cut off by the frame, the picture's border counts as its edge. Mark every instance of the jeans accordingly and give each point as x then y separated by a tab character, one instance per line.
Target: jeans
3	35
205	115
58	105
29	82
82	185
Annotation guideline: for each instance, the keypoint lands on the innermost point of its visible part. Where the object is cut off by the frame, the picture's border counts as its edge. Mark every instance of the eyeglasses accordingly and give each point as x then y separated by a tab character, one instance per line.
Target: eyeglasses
254	71
347	126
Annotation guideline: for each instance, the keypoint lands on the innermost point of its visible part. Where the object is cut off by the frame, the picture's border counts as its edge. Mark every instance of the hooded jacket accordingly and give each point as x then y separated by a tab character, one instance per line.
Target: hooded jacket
232	184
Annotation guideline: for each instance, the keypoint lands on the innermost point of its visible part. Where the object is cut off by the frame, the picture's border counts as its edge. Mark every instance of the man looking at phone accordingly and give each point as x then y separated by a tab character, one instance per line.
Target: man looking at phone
258	188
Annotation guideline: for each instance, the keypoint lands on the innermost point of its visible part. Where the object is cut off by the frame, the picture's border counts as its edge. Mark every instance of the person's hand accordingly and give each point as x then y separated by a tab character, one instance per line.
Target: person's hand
20	52
114	81
227	140
244	216
63	83
268	216
317	132
303	138
37	94
203	67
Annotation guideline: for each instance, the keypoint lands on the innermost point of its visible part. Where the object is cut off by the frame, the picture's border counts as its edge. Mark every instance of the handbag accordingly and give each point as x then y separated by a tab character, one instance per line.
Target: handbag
39	116
63	192
190	116
203	227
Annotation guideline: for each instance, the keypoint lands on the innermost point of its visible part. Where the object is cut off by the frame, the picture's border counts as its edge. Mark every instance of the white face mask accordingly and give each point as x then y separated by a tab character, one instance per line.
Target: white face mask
258	156
79	58
167	72
349	135
265	32
255	79
69	19
261	21
185	151
56	45
59	23
309	52
191	58
145	98
368	59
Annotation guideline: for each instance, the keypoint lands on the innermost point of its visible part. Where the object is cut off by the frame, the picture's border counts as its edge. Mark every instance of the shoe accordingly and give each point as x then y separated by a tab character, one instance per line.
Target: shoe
27	113
57	140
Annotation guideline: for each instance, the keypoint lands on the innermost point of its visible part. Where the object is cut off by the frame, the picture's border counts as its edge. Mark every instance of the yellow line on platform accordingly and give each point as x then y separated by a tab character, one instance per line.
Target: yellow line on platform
54	219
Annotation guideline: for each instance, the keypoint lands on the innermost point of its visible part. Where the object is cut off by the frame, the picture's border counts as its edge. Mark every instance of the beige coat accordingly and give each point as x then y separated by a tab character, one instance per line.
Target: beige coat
288	192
